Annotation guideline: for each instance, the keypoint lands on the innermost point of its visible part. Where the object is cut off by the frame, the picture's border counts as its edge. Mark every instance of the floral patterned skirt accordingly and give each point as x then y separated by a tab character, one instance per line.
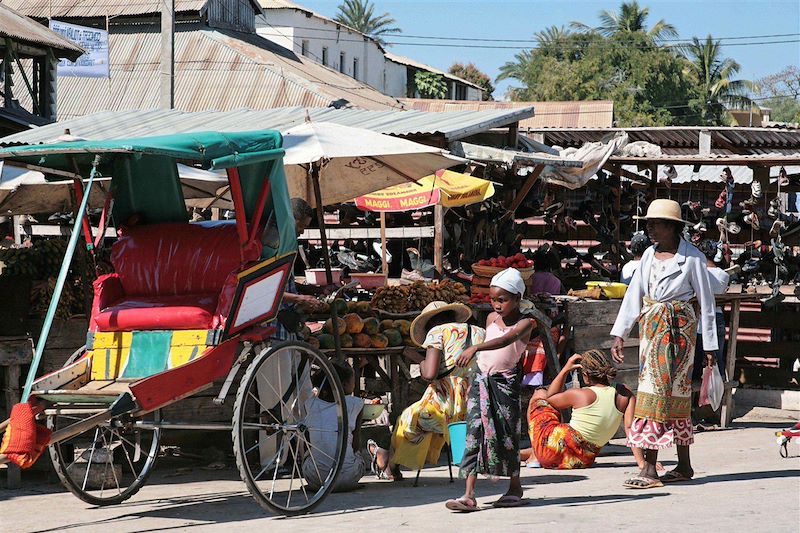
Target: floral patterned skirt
493	425
557	445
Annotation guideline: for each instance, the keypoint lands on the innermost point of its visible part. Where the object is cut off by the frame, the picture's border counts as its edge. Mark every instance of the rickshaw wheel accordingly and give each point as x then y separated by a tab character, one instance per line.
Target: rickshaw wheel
107	464
287	460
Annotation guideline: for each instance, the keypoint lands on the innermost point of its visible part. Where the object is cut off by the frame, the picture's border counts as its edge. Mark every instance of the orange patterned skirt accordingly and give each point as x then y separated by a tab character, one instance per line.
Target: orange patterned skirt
557	445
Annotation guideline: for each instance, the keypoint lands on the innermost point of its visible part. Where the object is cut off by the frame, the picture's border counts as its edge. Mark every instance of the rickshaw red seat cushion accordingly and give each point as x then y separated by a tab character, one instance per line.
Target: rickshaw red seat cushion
191	311
170	259
169	276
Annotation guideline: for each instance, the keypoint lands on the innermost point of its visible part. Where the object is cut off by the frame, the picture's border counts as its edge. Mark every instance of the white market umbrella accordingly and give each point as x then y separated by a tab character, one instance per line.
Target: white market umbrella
351	162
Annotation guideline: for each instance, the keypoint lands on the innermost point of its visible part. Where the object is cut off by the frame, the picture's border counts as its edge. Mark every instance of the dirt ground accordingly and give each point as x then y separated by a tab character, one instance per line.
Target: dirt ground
741	484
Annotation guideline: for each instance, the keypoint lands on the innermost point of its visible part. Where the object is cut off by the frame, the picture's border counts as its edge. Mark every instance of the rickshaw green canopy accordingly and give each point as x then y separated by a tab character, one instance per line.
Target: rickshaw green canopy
144	171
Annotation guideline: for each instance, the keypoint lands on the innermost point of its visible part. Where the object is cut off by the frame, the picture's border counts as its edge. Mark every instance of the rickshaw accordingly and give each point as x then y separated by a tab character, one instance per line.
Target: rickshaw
188	305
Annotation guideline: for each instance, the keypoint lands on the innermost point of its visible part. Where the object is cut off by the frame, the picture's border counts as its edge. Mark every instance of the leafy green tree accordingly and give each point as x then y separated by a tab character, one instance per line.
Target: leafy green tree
473	74
645	81
629	18
430	85
360	15
713	72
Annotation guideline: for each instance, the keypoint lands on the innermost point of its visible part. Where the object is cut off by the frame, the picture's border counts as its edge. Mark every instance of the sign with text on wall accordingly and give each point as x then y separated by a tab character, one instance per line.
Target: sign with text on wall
92	64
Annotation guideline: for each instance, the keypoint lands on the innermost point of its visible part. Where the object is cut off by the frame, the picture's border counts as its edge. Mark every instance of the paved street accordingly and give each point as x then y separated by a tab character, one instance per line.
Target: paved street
742	484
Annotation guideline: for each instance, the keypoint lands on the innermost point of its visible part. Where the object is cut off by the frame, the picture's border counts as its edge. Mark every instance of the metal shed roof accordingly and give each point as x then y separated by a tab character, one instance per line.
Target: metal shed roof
111	124
20	28
214	69
578	114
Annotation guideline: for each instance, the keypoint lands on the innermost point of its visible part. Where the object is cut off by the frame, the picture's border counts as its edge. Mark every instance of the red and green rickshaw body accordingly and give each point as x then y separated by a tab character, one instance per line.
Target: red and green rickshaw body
169	321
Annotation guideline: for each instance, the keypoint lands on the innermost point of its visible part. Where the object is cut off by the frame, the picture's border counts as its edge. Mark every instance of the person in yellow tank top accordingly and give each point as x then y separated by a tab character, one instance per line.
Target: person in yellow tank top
597	411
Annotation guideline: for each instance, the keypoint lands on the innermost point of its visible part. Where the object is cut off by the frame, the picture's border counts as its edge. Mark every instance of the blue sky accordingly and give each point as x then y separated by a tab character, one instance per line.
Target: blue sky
501	19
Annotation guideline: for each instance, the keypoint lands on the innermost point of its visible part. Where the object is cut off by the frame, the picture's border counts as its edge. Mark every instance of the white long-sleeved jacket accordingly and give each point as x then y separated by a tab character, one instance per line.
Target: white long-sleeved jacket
686	277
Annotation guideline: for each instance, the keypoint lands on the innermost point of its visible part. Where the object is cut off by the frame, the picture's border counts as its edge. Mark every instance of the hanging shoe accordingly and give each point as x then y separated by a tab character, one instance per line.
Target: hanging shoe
774	208
734	228
718	255
700	226
723	197
776	228
783	179
752	219
751	265
721	225
755	189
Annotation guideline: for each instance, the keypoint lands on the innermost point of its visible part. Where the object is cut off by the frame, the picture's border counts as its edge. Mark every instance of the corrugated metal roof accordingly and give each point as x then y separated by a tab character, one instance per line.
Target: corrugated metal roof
673	139
579	114
422	66
121	124
214	69
20	28
96	8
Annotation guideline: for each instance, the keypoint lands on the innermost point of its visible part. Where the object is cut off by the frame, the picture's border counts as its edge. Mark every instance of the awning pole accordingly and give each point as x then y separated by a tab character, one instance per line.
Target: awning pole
62	278
384	264
438	239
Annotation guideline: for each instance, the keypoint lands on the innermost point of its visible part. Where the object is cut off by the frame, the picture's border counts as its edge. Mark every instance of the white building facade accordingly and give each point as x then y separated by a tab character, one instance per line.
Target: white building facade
348	51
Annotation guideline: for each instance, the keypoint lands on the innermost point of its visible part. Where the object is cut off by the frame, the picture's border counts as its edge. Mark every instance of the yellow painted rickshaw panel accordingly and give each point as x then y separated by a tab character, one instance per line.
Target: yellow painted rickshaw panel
192	337
112	339
180	355
108	363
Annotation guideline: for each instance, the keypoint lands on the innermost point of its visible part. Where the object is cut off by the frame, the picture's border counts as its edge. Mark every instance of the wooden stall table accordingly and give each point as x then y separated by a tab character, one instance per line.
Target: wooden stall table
393	371
14	352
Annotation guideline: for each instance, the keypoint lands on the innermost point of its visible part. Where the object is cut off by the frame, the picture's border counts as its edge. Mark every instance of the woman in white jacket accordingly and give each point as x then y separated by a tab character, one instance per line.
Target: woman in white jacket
671	273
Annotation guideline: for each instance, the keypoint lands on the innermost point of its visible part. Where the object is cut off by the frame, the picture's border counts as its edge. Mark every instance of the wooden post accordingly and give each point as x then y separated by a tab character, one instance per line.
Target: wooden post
726	415
653	182
438	239
326	257
11	384
525	189
384	264
167	77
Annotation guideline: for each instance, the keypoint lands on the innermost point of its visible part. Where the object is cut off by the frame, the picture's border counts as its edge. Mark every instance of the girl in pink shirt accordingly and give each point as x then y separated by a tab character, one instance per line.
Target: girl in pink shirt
493	409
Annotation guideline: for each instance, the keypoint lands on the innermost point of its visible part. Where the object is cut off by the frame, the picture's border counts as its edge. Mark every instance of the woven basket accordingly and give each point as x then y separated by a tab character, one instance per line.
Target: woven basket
489	271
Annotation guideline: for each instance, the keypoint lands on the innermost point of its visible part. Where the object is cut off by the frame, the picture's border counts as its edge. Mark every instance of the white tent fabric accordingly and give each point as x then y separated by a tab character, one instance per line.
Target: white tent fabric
592	155
354	161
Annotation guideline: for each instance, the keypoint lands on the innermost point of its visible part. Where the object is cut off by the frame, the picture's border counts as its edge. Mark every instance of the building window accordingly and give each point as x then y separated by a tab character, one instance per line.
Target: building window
341	62
461	91
304	47
355	67
325	55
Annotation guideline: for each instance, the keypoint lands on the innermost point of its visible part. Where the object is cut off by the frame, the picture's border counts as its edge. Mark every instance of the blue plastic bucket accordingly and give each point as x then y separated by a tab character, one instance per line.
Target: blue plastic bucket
458	439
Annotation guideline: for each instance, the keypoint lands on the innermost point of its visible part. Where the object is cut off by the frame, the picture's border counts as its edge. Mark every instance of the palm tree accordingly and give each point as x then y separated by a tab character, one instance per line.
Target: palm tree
629	18
518	68
714	73
360	15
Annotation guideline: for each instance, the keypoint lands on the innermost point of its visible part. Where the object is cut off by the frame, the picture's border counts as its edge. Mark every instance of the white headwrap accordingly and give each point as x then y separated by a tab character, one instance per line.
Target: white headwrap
510	280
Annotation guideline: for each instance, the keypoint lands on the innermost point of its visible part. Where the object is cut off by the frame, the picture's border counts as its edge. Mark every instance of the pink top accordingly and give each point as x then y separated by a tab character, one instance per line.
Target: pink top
502	359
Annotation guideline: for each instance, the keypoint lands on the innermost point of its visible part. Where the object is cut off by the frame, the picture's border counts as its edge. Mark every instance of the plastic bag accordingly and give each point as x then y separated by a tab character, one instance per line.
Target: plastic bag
712	387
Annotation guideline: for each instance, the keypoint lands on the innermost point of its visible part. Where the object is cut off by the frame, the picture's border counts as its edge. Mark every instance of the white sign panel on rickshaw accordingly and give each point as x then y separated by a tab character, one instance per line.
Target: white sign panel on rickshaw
92	64
259	296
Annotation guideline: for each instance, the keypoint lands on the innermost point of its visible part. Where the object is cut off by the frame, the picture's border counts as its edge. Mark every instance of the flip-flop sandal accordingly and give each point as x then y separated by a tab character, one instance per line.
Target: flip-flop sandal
509	501
639	482
674	477
462	505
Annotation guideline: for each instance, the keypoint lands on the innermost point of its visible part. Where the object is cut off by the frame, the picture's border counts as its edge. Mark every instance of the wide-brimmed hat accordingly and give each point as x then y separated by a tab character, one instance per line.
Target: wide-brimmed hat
419	327
663	210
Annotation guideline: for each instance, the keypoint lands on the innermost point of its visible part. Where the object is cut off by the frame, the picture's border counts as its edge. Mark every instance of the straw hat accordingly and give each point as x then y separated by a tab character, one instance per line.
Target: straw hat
663	210
419	327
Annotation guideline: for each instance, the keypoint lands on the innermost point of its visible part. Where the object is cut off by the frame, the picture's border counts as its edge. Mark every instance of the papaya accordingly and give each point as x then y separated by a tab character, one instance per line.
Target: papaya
403	326
326	341
354	323
386	324
361	340
363	308
341	306
314	342
346	340
341	325
371	326
351	307
394	337
379	341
